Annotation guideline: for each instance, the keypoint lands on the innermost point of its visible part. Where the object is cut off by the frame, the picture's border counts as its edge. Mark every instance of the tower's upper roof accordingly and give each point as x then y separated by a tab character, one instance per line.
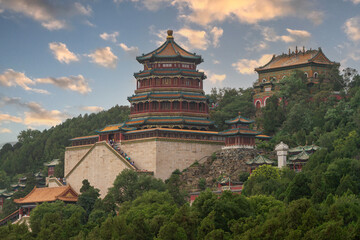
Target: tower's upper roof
170	49
296	58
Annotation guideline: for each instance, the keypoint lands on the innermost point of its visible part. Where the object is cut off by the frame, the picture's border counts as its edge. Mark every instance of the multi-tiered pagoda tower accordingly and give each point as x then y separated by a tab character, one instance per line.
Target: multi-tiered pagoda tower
169	91
169	126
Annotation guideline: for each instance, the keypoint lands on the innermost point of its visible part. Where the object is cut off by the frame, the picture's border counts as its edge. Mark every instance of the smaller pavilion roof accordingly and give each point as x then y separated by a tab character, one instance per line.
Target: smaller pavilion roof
260	159
239	119
17	185
115	127
49	194
170	49
239	131
303	156
308	148
84	137
5	193
54	162
263	136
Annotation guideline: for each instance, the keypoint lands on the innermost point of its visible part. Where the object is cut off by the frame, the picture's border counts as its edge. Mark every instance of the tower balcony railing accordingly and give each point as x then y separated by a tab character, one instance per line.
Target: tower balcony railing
169	110
169	86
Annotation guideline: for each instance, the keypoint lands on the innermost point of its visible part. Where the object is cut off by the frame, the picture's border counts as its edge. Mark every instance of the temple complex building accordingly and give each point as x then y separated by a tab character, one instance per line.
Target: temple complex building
313	63
258	161
168	128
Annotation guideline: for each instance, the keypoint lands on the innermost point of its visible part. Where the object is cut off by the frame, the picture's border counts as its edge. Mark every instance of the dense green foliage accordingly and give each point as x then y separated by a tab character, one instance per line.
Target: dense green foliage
229	103
321	202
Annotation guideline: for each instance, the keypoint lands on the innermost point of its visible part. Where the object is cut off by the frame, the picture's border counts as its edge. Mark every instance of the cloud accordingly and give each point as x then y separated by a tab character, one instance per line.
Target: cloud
152	5
205	12
35	114
216	62
11	78
352	28
247	66
355	1
299	33
294	35
196	39
62	53
216	34
5	130
73	83
104	57
9	118
46	12
316	17
38	116
82	9
259	46
92	108
134	51
189	38
90	24
213	77
109	36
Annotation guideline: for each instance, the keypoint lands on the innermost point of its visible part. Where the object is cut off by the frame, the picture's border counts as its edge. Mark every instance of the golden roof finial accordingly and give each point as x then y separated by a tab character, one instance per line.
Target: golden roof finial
170	34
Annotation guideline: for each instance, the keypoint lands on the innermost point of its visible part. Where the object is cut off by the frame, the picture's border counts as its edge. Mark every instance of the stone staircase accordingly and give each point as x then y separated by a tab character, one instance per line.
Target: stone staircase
11	218
117	148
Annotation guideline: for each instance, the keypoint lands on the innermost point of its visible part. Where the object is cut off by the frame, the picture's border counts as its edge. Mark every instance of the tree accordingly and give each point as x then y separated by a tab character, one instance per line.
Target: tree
298	188
171	231
88	197
56	220
173	186
128	185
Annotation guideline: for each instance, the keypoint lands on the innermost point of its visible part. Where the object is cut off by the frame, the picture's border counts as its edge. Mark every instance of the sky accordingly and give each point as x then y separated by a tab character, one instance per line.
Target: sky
60	59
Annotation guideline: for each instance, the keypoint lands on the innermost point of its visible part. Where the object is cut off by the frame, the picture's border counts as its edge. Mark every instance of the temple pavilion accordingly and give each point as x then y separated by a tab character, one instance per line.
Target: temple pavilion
49	194
298	156
313	63
239	134
258	161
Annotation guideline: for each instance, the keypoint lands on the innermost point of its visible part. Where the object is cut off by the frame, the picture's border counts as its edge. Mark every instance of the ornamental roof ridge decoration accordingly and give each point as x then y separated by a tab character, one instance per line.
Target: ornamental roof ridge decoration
170	49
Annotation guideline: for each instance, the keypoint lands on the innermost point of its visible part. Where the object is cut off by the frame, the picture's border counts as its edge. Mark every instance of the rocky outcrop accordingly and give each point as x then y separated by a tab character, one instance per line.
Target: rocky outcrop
227	162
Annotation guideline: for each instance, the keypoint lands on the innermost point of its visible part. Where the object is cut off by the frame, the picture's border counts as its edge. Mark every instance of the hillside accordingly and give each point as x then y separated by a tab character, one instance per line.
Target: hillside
230	163
321	202
34	148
